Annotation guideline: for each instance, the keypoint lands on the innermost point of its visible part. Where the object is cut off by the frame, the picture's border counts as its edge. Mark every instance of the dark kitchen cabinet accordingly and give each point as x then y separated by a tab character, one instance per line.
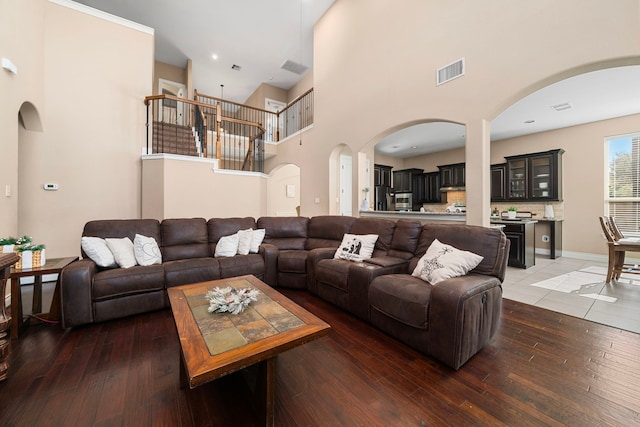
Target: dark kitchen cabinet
534	177
452	175
522	252
429	188
403	180
382	176
499	182
432	188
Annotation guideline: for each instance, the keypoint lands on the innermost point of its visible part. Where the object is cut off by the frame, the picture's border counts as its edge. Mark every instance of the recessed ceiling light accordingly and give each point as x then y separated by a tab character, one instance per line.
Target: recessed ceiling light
414	147
529	121
214	57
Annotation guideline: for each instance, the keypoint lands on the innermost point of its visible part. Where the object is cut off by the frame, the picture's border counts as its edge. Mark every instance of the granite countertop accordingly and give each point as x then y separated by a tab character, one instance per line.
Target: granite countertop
439	216
495	220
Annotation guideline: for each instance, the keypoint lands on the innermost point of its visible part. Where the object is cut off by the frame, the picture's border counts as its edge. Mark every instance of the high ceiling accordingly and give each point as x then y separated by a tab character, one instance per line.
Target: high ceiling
259	36
256	35
591	97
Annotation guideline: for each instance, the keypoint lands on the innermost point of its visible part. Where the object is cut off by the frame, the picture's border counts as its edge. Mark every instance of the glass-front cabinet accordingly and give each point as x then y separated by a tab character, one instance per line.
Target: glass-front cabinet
517	188
535	177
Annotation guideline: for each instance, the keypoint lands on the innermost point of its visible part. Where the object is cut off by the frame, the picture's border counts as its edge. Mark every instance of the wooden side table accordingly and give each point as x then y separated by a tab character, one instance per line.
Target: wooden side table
52	266
6	261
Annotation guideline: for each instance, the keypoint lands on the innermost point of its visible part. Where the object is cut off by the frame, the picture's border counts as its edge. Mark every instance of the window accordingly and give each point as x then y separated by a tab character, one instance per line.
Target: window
623	193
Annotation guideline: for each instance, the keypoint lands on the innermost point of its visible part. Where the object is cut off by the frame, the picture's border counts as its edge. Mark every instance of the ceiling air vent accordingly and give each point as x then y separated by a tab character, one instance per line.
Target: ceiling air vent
450	72
236	67
561	107
294	67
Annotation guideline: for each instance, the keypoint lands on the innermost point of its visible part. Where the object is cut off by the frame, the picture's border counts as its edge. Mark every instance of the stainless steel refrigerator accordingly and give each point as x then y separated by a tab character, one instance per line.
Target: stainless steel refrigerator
382	198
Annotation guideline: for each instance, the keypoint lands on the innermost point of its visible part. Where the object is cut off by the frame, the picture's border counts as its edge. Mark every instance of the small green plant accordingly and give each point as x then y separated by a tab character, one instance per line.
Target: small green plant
512	209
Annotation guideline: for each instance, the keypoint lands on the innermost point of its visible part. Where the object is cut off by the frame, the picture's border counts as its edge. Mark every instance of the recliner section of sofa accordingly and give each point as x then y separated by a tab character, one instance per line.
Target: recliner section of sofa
450	321
453	319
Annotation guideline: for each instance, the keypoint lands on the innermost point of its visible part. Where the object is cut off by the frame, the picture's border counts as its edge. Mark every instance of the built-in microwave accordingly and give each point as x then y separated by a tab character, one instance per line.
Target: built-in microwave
404	201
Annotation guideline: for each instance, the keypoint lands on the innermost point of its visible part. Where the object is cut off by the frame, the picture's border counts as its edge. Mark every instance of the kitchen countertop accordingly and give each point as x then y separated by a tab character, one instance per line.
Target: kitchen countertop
513	221
423	216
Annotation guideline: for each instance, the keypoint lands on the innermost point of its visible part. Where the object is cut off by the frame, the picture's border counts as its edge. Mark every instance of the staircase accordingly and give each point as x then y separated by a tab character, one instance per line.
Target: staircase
171	138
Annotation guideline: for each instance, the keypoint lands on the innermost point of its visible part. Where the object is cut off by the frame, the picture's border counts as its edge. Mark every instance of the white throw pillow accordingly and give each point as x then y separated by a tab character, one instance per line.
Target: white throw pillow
227	246
97	249
356	247
442	262
244	241
256	240
122	250
146	250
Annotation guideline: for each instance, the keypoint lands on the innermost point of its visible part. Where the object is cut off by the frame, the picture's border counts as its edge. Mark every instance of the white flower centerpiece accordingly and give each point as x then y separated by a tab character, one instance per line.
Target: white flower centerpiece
230	299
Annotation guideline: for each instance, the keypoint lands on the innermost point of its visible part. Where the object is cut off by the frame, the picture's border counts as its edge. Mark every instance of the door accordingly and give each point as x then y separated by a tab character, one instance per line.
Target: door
345	186
271	120
172	111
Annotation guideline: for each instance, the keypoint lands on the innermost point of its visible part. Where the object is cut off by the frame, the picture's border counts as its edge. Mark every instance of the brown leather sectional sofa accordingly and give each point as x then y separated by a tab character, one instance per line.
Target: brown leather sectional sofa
450	321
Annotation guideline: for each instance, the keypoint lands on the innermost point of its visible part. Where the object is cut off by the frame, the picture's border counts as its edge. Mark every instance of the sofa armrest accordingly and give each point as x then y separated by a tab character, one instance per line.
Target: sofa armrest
76	280
387	261
315	256
270	255
464	314
361	274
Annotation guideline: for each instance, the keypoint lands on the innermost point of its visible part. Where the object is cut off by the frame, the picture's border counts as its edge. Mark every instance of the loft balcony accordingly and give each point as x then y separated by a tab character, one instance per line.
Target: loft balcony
236	136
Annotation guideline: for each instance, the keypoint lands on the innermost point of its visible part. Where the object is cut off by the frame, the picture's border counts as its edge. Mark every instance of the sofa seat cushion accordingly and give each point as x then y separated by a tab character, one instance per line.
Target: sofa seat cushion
186	271
241	265
334	272
292	261
402	297
119	282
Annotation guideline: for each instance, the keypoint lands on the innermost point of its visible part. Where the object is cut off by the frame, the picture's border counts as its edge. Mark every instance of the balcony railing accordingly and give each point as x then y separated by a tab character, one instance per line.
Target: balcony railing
192	128
215	128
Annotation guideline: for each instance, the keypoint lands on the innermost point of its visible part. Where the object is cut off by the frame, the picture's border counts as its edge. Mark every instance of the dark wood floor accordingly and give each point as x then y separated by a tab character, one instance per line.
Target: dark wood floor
542	368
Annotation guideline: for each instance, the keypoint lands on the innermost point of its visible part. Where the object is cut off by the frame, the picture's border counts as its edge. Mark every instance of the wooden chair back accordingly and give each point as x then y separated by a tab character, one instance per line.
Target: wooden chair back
608	230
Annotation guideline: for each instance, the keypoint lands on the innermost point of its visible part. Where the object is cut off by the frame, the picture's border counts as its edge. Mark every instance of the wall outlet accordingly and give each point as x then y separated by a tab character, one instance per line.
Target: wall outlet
545	238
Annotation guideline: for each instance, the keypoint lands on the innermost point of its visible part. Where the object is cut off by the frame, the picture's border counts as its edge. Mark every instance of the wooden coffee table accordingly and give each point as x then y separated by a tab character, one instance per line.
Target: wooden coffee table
217	344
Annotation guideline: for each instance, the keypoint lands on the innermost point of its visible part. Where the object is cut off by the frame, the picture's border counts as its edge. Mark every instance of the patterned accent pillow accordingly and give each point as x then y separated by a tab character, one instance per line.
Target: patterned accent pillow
442	262
146	250
356	247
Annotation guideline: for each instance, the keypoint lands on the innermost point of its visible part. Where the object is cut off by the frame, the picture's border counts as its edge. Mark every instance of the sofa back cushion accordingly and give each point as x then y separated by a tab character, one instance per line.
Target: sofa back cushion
286	233
382	227
119	228
184	238
326	231
221	227
490	243
405	239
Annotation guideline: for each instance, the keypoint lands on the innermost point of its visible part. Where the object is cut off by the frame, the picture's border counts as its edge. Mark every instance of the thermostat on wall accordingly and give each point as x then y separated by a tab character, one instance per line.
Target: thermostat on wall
50	186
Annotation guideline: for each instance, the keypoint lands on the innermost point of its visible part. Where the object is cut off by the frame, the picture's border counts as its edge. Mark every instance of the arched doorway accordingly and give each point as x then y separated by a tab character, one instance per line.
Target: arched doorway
340	181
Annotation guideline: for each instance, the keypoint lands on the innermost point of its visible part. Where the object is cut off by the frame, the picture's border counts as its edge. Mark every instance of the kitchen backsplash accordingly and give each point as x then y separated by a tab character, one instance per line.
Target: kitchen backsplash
534	208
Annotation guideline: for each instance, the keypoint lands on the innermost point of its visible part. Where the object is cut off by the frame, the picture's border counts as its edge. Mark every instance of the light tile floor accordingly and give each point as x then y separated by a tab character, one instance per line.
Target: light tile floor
576	287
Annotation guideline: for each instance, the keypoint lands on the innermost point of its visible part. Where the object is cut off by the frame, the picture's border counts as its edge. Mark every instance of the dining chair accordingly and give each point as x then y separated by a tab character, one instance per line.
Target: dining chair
618	246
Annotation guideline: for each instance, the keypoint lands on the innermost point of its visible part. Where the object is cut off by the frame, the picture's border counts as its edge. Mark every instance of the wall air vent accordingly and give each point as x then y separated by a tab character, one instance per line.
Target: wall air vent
450	72
561	107
294	67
